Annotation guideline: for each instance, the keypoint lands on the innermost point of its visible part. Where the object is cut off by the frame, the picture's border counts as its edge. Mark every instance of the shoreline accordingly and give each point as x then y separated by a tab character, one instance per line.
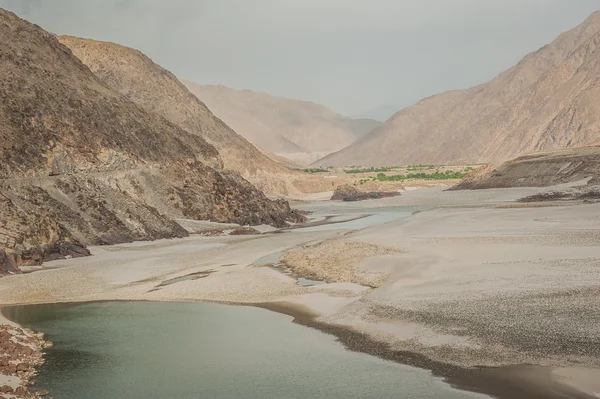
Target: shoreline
504	382
22	356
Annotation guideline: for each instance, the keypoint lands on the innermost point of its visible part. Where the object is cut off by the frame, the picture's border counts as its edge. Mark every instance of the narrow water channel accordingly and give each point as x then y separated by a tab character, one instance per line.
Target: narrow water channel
128	350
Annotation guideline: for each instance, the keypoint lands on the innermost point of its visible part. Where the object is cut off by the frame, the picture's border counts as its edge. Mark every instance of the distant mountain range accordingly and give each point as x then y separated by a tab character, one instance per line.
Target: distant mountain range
549	100
298	130
381	113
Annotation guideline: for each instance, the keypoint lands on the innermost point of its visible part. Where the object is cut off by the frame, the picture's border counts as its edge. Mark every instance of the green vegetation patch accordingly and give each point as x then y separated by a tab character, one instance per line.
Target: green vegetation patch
447	175
412	168
315	170
368	170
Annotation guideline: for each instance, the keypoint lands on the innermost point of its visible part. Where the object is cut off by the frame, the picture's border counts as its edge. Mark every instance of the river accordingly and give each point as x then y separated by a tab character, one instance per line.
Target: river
126	350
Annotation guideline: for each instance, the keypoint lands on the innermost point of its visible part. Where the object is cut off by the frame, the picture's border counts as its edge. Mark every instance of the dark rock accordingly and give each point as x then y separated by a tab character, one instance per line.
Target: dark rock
244	231
22	367
6	389
583	193
349	193
8	263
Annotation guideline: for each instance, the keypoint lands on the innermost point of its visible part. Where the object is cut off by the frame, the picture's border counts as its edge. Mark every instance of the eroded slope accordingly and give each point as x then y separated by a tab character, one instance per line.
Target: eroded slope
125	172
158	91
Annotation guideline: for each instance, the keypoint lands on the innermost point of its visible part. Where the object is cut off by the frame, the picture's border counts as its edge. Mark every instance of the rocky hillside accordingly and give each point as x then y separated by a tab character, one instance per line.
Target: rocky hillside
158	91
298	130
548	101
539	170
125	173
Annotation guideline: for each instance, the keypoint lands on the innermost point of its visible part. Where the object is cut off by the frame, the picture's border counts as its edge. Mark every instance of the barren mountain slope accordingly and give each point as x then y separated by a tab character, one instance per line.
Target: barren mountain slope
126	173
548	101
157	90
298	130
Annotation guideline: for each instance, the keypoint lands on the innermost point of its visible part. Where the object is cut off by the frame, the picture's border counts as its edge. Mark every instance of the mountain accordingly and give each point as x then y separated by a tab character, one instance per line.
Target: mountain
298	130
158	91
549	100
381	113
125	174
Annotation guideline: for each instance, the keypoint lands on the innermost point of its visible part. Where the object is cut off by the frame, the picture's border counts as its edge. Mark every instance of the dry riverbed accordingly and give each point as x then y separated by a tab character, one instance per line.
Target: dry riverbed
473	291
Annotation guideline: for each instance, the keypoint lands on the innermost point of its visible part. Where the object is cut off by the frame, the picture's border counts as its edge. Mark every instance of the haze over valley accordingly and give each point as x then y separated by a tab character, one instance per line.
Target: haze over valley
299	130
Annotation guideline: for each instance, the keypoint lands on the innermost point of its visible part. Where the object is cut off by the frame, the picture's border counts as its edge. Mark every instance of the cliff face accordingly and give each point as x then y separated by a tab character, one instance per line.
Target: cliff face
126	173
159	92
548	101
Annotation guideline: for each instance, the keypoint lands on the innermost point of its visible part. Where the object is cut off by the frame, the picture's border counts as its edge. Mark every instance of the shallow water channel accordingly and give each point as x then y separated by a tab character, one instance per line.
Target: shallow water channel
126	350
351	217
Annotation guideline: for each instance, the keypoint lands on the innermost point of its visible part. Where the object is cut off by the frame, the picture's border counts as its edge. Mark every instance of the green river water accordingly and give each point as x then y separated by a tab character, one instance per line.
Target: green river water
129	350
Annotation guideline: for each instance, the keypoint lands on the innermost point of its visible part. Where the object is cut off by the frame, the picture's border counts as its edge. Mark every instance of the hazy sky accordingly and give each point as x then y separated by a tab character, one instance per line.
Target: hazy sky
351	55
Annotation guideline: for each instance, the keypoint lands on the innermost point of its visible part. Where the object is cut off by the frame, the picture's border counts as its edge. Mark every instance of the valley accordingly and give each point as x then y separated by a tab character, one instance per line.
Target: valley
298	130
165	238
407	283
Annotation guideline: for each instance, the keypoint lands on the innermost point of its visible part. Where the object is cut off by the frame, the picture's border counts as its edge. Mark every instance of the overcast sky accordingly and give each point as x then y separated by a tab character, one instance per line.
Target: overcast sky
351	55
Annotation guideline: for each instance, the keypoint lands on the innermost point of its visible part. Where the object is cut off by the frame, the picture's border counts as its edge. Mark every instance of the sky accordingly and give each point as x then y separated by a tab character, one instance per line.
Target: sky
351	55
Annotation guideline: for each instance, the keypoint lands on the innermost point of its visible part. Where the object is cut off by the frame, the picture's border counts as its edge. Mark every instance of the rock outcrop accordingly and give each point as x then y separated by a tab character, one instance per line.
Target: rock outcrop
20	355
538	170
546	102
580	193
126	173
350	193
245	231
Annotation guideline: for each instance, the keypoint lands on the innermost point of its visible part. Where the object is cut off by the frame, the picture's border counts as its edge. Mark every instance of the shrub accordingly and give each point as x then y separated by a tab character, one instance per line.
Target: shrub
368	170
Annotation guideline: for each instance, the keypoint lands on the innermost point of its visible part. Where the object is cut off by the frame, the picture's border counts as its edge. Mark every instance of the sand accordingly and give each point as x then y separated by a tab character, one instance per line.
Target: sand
462	283
582	379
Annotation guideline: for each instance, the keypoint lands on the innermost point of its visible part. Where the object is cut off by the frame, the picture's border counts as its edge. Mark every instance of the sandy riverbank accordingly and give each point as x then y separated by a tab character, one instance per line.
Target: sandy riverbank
454	288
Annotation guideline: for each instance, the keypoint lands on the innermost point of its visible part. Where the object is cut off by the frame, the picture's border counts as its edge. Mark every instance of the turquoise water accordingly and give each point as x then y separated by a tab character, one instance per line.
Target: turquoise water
134	350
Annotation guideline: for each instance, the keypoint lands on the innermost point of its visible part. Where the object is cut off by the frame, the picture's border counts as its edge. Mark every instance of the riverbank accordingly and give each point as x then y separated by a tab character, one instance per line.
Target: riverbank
459	288
21	354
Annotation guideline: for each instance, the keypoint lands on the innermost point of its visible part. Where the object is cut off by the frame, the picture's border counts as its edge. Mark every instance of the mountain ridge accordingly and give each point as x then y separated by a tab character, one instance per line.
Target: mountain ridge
158	91
296	129
518	112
